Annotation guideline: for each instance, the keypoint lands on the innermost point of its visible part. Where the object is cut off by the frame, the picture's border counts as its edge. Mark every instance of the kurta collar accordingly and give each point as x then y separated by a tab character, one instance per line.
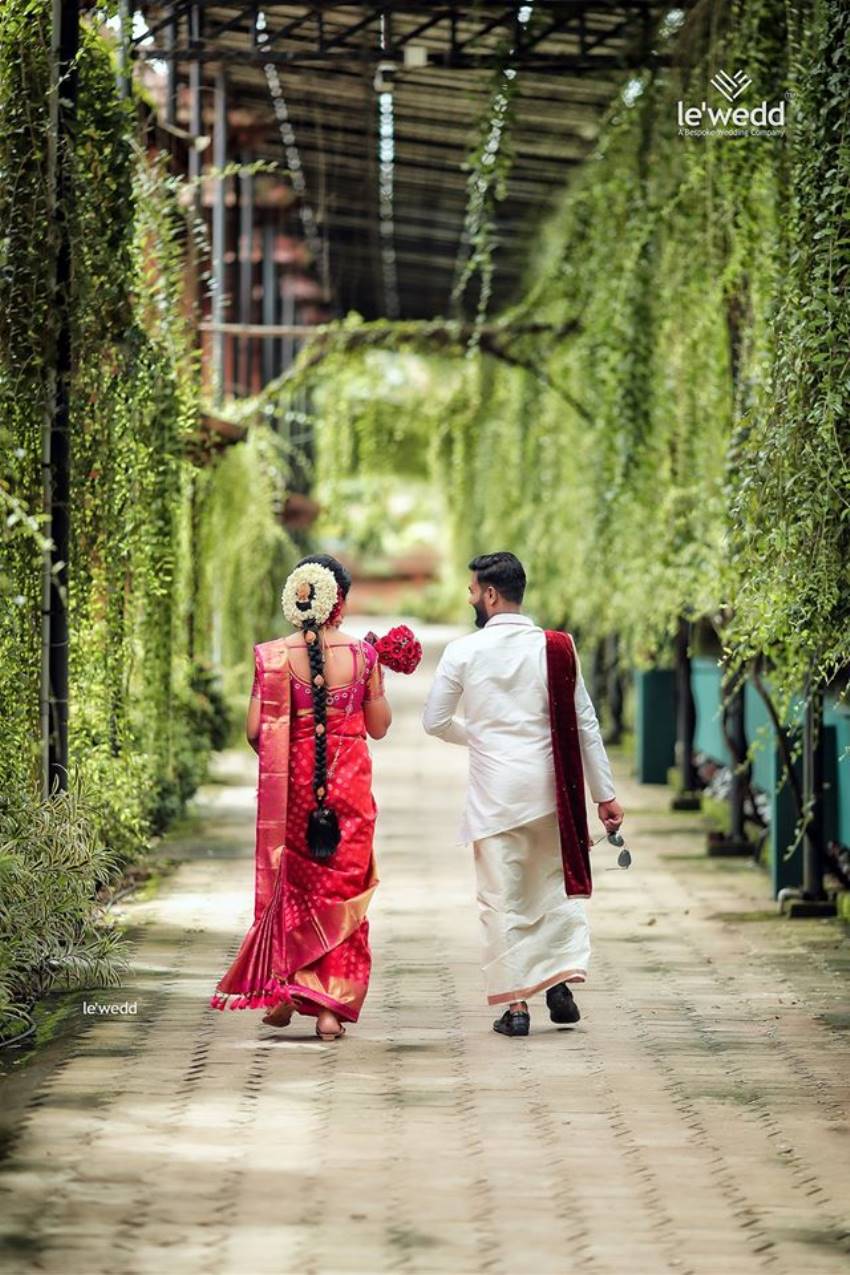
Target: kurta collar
508	617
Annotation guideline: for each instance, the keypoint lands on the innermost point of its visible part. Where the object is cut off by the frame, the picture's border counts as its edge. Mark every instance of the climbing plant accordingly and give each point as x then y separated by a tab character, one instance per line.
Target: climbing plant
26	337
156	525
661	430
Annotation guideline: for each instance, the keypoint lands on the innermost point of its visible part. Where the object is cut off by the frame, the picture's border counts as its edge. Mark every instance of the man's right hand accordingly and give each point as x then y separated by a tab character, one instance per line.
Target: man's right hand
611	814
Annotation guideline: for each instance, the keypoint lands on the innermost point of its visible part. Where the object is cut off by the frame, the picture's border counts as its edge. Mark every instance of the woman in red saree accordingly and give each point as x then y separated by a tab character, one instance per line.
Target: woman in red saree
317	695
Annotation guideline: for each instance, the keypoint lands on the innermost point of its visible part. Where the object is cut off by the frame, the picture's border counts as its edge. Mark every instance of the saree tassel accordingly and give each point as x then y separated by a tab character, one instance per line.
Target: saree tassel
265	997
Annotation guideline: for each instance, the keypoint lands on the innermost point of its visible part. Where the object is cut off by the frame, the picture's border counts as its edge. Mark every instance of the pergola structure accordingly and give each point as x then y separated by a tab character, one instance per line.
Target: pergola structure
369	113
374	109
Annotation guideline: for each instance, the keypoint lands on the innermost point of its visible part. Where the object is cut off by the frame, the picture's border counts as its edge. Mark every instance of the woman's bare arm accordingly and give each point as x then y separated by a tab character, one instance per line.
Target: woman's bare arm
378	716
376	708
252	725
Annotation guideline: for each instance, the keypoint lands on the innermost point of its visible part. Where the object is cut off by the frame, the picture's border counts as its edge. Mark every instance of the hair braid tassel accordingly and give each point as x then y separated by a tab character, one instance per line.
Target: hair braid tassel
322	824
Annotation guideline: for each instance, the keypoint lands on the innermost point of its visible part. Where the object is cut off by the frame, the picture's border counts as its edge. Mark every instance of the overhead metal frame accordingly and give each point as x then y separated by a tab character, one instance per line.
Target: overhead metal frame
570	64
316	38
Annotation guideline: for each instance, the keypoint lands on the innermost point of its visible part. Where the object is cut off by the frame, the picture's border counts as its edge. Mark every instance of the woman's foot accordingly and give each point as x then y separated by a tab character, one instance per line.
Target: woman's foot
328	1026
280	1016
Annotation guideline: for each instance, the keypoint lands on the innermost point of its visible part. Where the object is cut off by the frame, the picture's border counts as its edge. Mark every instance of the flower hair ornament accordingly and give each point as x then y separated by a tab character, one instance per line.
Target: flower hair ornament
310	595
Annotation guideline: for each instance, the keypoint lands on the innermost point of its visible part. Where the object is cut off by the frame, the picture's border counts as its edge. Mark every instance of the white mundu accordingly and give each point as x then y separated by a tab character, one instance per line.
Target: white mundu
534	936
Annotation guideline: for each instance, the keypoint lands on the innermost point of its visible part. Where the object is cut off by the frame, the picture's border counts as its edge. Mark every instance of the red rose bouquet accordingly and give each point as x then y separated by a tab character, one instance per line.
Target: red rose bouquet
398	650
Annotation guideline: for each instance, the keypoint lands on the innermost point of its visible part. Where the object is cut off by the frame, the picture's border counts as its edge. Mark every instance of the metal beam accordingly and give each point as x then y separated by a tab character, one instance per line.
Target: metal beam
246	267
196	122
219	214
171	70
813	837
125	35
540	63
270	293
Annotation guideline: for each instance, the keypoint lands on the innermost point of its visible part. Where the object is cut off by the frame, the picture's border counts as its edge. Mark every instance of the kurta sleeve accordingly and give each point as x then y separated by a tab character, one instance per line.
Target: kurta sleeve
438	715
594	758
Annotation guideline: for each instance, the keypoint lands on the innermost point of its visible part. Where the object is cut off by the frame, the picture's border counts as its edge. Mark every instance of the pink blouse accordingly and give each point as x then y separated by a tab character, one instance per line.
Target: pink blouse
354	693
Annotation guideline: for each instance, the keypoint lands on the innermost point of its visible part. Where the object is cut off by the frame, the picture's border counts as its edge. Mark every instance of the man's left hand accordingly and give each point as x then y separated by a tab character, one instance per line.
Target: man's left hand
611	815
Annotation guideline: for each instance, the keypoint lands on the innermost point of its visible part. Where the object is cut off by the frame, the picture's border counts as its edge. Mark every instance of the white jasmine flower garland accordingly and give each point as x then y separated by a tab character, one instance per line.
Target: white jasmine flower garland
309	595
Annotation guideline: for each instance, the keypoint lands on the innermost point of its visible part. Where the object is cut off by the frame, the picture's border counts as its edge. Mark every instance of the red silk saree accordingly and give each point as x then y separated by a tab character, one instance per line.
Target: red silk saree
309	941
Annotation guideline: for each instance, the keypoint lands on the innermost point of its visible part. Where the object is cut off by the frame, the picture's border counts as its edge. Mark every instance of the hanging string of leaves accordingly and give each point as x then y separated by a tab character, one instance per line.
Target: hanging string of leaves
153	537
693	460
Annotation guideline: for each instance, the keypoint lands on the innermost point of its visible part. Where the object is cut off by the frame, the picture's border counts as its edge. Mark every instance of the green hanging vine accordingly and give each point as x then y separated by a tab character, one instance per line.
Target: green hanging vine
677	445
152	536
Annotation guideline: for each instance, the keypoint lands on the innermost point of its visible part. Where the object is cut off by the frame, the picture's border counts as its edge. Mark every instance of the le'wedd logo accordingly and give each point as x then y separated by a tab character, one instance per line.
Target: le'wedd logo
765	119
731	86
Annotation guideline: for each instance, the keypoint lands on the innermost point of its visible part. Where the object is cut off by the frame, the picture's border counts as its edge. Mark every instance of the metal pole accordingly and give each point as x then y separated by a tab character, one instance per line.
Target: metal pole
287	344
812	900
813	848
741	773
45	703
66	20
734	729
218	232
686	718
269	298
125	32
246	270
171	70
196	125
614	690
597	681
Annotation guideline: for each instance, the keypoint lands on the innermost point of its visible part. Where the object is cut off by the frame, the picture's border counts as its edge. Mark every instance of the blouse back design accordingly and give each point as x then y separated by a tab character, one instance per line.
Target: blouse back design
351	696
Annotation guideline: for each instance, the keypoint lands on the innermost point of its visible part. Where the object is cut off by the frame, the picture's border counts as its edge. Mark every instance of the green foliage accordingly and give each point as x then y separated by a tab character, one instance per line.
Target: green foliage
153	539
243	553
52	859
790	494
26	340
677	445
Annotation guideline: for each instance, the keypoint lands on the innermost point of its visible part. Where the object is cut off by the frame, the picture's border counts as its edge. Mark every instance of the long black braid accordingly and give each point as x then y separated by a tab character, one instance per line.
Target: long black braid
316	657
322	824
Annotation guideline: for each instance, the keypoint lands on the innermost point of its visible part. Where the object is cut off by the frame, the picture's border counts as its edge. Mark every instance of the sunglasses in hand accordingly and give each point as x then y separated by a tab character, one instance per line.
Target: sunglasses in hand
624	858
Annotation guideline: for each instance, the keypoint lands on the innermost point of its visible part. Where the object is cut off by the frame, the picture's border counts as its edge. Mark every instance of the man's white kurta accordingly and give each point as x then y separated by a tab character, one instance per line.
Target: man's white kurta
501	673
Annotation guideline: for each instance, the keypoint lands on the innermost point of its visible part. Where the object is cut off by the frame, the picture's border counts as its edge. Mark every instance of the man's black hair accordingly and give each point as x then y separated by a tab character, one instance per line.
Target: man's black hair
503	571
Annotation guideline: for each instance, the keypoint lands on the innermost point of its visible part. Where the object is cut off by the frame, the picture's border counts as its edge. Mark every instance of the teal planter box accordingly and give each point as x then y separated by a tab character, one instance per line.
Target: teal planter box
655	724
768	775
837	771
705	686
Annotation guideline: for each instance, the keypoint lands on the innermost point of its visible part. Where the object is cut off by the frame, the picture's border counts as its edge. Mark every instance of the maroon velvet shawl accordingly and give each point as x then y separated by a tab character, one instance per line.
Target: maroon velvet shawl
561	668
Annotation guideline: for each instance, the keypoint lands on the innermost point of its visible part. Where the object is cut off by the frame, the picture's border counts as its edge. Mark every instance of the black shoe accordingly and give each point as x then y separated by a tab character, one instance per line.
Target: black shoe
514	1022
562	1007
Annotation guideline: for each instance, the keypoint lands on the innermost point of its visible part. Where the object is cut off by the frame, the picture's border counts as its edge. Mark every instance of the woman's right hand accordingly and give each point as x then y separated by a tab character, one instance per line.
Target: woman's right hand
378	715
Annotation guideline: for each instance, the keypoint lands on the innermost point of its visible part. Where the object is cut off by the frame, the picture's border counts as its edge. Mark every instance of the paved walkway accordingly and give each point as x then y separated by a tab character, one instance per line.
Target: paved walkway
694	1121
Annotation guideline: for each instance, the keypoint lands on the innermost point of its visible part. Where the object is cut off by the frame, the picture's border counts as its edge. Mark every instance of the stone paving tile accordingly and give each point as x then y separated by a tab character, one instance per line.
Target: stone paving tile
695	1121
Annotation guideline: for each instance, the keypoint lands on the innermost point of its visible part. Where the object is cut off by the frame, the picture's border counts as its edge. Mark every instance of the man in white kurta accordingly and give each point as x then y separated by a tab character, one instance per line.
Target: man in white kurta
535	938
